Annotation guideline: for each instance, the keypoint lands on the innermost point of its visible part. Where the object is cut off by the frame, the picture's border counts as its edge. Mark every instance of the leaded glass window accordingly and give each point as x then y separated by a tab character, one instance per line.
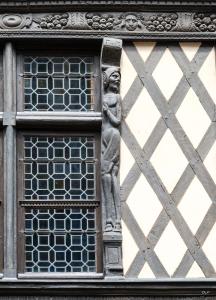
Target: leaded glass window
56	83
58	168
60	202
60	240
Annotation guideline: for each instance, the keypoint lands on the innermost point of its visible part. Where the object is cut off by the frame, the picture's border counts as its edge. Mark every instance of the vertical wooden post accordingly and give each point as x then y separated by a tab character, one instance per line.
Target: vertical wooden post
10	260
110	136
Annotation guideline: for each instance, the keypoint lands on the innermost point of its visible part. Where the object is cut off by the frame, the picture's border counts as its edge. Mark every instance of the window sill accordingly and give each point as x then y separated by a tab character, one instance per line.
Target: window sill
24	119
61	275
88	120
103	287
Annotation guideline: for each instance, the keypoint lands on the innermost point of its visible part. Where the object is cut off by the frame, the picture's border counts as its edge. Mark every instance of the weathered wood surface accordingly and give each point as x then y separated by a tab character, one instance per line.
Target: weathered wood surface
103	298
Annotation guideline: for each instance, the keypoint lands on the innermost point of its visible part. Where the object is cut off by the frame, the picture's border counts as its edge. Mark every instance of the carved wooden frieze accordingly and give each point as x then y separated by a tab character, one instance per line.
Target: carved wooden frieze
130	21
133	23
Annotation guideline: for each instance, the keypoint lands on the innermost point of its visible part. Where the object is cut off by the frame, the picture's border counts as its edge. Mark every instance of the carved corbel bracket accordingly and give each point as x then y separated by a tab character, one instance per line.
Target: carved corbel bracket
111	53
110	154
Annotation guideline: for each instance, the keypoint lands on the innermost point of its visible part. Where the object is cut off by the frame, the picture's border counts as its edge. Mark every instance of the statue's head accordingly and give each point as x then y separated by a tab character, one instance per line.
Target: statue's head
111	79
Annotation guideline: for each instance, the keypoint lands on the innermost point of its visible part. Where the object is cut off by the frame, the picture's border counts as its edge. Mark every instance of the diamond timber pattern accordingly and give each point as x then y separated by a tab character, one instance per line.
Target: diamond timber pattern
168	166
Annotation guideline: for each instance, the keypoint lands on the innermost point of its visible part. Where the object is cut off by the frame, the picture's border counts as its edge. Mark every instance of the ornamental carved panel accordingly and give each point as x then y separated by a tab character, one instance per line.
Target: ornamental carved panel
134	23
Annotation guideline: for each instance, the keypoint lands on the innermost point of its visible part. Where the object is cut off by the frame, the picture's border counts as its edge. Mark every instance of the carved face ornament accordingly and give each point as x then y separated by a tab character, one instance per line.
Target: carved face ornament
131	22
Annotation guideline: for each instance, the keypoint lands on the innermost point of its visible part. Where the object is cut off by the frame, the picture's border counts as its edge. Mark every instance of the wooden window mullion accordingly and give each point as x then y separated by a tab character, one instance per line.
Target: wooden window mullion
10	237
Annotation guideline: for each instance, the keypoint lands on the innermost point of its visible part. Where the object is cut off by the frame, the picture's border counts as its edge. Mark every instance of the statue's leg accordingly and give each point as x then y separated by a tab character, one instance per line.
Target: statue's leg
116	199
112	150
107	191
110	163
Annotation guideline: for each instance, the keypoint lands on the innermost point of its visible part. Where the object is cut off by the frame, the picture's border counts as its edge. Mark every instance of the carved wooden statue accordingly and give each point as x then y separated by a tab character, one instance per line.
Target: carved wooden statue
111	148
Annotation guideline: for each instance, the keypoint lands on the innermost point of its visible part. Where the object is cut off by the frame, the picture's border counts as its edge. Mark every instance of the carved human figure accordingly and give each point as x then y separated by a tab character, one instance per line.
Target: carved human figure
111	148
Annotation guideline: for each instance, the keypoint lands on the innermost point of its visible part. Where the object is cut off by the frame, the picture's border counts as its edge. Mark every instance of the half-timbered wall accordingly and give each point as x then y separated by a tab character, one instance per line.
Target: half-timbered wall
168	151
168	160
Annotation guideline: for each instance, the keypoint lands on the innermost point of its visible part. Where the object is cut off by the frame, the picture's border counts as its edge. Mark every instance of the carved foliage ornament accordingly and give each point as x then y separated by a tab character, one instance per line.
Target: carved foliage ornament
205	22
161	22
101	21
52	21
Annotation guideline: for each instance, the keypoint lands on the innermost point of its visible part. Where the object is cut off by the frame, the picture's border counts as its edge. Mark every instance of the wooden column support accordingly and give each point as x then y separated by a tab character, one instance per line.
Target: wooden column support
111	106
10	262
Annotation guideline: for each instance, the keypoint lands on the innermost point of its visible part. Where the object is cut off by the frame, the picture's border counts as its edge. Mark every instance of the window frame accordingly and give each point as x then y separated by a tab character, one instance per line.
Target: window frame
56	204
1	204
63	53
76	123
14	121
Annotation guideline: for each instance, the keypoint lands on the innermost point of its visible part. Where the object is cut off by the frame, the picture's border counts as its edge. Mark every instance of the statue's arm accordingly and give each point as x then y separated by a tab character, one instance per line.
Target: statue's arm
115	120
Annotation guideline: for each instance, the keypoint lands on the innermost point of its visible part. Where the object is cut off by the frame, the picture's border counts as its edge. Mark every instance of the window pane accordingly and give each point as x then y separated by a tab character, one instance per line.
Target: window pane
59	168
60	240
58	83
